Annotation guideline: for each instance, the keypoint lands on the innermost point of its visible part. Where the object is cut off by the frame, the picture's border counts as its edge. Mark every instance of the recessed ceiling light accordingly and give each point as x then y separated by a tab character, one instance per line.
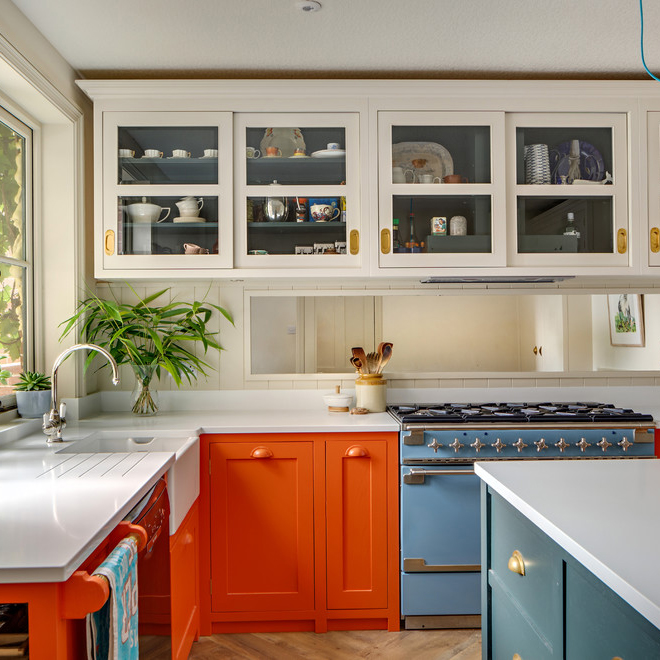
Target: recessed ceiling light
308	5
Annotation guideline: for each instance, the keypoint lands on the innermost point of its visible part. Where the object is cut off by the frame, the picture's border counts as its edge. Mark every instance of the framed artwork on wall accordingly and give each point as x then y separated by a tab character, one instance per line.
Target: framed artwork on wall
626	315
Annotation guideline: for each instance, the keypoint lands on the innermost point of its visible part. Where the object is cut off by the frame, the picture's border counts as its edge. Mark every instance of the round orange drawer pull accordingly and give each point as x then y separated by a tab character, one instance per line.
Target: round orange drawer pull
261	452
356	452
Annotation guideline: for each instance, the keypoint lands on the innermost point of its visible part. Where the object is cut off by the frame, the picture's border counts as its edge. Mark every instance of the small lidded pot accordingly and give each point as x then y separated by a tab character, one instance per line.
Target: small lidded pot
371	392
338	402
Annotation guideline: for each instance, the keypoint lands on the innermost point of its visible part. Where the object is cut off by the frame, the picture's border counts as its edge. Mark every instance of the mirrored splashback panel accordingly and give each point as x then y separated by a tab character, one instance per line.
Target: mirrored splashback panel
455	334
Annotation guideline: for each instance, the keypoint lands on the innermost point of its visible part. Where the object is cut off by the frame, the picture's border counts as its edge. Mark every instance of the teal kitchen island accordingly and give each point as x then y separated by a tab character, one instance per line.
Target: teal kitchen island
570	559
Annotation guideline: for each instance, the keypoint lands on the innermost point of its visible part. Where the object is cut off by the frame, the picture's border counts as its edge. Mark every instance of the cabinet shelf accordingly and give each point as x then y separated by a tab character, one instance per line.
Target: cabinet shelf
296	227
140	171
213	226
301	171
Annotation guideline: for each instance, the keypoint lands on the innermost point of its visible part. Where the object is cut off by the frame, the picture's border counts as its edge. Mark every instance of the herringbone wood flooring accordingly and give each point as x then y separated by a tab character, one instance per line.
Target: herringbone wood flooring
367	644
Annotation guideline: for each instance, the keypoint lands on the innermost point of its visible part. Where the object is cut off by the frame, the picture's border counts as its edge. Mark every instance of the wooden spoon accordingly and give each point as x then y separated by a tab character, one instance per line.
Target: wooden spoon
372	362
357	364
387	354
358	352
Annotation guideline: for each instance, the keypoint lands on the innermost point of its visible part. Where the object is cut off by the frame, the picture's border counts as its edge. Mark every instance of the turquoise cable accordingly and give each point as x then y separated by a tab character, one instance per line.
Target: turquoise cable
641	40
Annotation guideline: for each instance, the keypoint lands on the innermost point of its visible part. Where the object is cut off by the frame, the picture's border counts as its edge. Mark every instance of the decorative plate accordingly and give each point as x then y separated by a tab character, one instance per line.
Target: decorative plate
438	160
287	140
592	166
329	153
189	219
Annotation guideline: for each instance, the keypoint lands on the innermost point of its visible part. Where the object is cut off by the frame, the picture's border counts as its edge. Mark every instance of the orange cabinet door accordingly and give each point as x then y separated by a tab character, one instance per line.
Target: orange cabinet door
356	518
262	526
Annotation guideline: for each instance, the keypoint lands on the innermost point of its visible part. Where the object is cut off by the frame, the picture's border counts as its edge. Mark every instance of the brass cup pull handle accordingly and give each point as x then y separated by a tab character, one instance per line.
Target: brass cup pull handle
655	239
356	452
622	241
261	452
516	563
516	656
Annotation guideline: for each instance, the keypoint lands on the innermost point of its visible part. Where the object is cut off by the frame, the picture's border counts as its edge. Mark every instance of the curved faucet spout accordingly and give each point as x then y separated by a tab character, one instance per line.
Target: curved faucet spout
54	422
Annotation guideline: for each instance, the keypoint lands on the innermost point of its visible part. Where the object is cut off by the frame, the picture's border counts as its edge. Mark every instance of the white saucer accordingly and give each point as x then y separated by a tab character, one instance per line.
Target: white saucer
329	153
270	157
300	156
207	157
187	218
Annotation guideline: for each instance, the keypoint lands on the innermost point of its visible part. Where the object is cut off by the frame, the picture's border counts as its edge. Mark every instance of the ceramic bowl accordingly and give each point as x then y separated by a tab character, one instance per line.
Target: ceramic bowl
338	400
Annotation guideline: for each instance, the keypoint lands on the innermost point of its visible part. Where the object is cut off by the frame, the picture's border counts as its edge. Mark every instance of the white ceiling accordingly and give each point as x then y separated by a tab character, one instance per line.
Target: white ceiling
425	38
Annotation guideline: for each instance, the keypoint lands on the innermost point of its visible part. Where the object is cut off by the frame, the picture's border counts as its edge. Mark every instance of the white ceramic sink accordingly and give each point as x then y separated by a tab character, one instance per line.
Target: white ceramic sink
111	442
182	477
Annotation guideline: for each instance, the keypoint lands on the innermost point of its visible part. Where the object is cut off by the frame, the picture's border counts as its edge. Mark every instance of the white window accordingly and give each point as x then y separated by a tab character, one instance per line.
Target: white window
16	258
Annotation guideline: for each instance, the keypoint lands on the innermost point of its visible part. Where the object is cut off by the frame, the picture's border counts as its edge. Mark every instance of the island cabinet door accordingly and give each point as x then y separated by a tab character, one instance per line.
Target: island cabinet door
600	624
356	518
262	545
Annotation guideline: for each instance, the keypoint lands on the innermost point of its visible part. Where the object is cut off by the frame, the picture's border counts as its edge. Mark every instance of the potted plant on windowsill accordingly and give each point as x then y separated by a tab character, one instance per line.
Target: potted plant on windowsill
149	338
33	394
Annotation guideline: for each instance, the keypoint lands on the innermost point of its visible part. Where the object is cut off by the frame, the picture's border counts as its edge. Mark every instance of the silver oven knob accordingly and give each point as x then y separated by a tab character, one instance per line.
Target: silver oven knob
519	444
434	445
583	444
562	444
456	445
477	445
540	444
604	444
625	443
499	445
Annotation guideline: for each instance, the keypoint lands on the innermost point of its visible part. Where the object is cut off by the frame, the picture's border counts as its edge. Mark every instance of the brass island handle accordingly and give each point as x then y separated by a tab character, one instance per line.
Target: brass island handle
109	243
516	563
385	243
622	241
261	452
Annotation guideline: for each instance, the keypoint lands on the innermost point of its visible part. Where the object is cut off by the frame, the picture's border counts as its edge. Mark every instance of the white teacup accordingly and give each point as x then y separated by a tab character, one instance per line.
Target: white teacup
180	153
333	146
210	153
251	152
323	213
153	153
126	153
428	178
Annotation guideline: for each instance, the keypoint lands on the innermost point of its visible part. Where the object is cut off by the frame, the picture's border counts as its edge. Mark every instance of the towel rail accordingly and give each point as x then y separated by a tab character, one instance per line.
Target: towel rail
85	593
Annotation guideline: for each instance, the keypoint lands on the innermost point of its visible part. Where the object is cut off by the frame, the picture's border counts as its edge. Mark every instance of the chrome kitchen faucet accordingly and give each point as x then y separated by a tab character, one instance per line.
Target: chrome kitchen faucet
55	421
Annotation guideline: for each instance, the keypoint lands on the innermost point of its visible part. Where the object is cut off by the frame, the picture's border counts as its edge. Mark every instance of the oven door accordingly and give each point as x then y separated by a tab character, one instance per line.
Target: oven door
440	542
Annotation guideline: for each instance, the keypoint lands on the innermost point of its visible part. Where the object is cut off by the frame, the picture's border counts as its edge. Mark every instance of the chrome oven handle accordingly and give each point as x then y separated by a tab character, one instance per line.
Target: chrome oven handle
417	475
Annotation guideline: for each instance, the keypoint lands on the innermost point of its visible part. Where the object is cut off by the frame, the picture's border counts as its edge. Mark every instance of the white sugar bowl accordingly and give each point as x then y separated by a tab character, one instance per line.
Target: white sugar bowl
338	402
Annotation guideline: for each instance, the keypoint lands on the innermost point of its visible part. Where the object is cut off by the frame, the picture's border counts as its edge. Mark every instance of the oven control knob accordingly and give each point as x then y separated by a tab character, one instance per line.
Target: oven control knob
540	444
477	444
456	445
519	444
562	444
625	443
604	444
583	444
434	445
499	445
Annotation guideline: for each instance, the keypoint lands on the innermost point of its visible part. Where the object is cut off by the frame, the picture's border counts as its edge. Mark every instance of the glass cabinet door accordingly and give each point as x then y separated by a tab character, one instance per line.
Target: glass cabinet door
570	192
441	189
653	125
167	200
298	190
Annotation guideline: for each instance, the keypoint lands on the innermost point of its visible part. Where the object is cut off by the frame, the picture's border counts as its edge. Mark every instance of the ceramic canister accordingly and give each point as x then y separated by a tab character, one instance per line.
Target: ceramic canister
371	392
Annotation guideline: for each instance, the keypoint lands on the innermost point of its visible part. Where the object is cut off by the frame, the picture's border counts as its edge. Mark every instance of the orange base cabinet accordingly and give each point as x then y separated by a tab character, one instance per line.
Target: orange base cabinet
299	532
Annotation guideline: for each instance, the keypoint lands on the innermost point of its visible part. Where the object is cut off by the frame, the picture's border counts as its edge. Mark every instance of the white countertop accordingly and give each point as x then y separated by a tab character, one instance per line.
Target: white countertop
606	514
56	508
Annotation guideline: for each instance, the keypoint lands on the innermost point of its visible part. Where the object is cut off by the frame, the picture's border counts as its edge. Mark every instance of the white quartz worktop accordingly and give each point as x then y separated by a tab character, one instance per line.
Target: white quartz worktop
606	514
57	507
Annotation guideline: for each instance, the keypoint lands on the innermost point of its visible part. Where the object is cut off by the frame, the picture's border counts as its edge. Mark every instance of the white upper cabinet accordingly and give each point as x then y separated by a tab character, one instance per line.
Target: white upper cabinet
654	188
441	190
166	195
297	191
568	189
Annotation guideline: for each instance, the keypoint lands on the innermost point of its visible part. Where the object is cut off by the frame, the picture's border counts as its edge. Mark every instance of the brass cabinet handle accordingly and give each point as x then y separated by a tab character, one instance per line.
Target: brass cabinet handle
516	563
109	242
354	241
385	243
516	656
356	452
622	241
655	239
261	452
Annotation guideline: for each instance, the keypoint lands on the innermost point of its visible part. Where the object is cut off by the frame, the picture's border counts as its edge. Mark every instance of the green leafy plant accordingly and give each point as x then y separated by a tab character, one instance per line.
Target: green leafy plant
149	337
4	373
30	381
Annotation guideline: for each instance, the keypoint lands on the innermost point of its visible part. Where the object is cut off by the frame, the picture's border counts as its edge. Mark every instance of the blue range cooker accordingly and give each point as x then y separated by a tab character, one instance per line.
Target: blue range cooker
440	494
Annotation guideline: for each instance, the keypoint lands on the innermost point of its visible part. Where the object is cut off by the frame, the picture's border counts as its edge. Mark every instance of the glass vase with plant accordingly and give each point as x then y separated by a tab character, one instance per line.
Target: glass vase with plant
150	338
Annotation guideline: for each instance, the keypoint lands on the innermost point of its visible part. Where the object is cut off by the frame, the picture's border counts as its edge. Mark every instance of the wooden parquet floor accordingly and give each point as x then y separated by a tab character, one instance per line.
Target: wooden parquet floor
363	644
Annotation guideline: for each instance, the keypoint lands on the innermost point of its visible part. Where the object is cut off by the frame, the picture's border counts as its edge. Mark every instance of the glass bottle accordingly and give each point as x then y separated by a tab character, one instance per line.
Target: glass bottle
395	235
570	227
